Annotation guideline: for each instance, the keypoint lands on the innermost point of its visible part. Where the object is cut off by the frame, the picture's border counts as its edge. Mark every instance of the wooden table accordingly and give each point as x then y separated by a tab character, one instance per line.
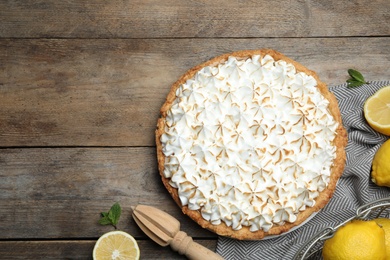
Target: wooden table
82	82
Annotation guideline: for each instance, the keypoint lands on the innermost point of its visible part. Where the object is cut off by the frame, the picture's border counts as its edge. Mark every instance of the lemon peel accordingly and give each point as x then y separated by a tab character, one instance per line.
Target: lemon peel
380	173
385	224
358	240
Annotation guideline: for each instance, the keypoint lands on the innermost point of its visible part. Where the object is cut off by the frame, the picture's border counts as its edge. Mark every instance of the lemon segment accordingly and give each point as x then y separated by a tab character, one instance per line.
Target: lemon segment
380	173
377	111
358	240
116	245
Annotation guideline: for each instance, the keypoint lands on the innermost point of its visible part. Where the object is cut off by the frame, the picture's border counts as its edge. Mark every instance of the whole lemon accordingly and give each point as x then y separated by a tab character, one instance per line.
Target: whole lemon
358	240
380	173
385	224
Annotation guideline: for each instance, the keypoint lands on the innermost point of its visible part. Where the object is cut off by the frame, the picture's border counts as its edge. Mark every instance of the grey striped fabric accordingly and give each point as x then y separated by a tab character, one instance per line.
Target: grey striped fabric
353	190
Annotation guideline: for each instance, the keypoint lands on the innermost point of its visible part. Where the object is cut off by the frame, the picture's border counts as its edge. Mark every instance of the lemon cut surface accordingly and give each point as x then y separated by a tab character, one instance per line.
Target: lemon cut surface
377	111
116	245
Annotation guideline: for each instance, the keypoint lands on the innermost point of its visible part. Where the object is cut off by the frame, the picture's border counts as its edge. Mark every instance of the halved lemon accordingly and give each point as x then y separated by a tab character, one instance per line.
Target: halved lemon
116	245
377	111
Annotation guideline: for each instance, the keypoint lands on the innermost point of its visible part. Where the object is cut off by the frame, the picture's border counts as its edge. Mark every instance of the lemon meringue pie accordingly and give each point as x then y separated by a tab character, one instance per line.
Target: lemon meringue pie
250	144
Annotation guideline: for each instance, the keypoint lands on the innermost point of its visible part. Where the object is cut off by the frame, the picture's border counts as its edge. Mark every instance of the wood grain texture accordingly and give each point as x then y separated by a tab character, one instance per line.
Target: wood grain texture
60	193
56	92
177	18
82	82
82	249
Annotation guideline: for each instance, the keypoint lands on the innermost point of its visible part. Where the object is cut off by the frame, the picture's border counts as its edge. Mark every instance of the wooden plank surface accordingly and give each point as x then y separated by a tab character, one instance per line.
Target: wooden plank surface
82	249
108	92
178	19
57	192
82	82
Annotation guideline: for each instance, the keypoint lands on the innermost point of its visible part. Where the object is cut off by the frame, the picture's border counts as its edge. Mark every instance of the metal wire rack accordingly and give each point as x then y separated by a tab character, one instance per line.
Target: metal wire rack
312	248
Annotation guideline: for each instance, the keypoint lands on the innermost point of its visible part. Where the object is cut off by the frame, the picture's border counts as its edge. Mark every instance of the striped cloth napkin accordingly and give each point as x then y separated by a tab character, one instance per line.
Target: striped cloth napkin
353	189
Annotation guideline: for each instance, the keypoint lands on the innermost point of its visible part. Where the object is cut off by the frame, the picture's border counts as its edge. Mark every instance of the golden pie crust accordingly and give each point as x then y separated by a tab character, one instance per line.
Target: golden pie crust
244	233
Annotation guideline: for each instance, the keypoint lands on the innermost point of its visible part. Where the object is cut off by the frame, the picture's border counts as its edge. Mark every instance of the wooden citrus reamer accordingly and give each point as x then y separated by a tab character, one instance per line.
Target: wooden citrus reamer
164	229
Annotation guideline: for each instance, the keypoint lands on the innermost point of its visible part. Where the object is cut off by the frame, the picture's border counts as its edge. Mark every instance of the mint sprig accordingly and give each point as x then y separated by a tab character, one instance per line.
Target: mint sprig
356	79
112	216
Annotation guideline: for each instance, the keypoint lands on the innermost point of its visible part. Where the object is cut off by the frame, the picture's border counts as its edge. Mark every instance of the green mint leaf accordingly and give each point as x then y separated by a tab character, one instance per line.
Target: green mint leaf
105	221
356	79
112	216
354	84
356	75
115	213
352	80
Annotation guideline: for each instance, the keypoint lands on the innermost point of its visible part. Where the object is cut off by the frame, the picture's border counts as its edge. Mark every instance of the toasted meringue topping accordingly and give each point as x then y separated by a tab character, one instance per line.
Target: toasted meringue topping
249	142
